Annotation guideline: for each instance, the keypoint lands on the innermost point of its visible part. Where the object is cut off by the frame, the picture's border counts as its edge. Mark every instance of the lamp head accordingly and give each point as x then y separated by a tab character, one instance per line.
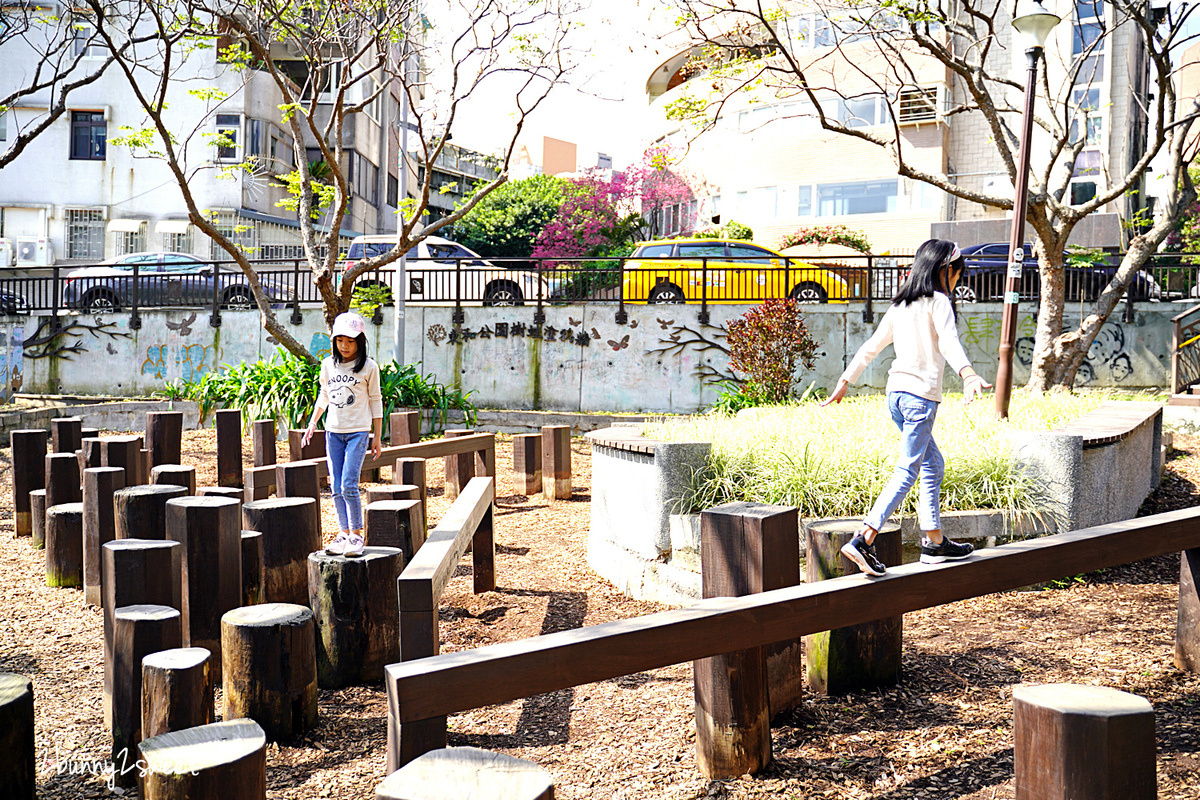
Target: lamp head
1033	23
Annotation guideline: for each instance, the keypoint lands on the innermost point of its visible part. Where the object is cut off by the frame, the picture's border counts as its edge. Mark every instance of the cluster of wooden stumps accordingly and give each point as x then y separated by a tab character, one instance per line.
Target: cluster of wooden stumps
207	585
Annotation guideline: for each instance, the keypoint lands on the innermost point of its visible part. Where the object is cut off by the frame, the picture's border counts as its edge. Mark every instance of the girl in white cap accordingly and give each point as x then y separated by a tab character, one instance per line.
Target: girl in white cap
350	390
920	324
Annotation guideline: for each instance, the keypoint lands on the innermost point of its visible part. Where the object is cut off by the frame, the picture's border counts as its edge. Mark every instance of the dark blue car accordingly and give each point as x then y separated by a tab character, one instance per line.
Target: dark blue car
987	267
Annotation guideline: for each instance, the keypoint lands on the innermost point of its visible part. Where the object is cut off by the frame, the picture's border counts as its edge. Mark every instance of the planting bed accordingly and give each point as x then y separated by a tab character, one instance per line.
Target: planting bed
944	733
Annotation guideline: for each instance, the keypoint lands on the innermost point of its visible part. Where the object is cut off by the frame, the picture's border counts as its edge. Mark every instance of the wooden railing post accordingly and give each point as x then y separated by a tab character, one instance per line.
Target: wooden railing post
1187	627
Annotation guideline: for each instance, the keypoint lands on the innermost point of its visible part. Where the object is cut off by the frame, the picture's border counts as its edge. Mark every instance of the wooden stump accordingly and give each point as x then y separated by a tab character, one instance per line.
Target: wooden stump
177	690
315	448
395	491
99	524
62	479
290	532
411	472
357	615
66	434
135	572
404	427
64	545
527	462
857	657
461	772
1187	625
91	453
459	468
556	462
141	511
226	760
395	523
210	532
29	474
229	447
299	479
262	442
164	437
220	491
174	475
126	452
18	759
138	631
270	668
37	518
1073	742
252	571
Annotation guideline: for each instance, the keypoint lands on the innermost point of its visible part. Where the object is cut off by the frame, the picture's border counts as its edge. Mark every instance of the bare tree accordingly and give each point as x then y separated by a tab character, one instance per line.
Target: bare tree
329	64
887	49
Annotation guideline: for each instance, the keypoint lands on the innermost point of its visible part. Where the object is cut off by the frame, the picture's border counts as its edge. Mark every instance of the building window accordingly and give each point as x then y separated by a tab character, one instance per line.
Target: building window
85	233
84	42
804	201
254	137
603	161
1087	51
88	135
228	137
127	242
178	242
1082	192
1087	121
393	191
364	178
866	197
3	126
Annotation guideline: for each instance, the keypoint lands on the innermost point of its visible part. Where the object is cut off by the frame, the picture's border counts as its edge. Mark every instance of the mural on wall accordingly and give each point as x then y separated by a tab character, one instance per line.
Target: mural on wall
11	353
50	340
1106	358
703	341
320	345
194	360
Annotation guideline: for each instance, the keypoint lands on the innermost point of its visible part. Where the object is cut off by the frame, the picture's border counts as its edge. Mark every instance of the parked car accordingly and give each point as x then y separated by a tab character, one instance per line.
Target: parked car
441	270
724	271
12	304
164	279
987	269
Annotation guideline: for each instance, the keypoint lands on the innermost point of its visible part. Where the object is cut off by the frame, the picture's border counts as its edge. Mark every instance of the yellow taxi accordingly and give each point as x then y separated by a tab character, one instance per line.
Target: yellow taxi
724	271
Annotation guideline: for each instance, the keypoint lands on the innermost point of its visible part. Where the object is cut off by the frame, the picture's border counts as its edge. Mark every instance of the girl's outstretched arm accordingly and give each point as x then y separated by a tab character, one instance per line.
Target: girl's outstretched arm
838	393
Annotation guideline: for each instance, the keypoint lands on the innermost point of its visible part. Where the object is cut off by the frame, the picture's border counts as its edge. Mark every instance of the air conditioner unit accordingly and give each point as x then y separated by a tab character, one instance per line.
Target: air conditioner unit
8	254
918	104
34	251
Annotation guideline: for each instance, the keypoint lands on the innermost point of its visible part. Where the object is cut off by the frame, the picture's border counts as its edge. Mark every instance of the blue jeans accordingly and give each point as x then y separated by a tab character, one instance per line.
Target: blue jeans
919	459
346	452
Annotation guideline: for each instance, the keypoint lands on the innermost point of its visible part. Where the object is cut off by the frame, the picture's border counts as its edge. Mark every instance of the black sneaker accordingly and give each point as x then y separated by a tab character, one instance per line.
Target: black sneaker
946	551
863	554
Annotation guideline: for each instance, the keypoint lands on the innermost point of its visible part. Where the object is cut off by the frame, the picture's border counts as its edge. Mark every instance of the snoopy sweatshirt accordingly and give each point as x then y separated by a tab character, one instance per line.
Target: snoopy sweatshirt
353	398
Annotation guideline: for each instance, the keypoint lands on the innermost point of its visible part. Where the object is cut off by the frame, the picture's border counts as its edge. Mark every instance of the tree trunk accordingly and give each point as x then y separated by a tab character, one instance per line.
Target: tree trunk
225	759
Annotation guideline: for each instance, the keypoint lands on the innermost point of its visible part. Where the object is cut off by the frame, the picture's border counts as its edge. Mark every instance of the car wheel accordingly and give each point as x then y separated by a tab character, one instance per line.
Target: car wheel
665	293
239	297
101	302
809	293
965	294
503	293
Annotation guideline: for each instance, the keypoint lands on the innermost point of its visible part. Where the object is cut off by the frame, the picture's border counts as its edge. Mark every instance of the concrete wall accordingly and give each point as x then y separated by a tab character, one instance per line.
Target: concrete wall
661	360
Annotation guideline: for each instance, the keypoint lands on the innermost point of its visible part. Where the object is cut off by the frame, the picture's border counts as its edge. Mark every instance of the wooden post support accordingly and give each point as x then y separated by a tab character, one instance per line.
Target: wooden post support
125	452
91	453
225	759
1187	626
138	631
357	614
459	468
405	427
66	433
210	532
290	531
99	524
220	491
457	772
298	479
164	437
262	442
62	479
527	462
29	473
64	545
177	690
141	511
315	449
1075	742
135	572
37	518
394	491
395	523
270	668
556	462
229	447
18	759
857	657
174	475
252	570
411	472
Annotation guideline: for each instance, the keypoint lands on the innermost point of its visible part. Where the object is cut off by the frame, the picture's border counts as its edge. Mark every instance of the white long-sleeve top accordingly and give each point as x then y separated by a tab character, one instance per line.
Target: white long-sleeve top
925	339
353	398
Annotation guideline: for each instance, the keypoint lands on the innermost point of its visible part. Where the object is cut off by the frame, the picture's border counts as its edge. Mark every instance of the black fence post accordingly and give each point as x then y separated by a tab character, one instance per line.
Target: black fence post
622	316
135	319
57	292
214	319
703	291
868	311
296	319
539	316
457	317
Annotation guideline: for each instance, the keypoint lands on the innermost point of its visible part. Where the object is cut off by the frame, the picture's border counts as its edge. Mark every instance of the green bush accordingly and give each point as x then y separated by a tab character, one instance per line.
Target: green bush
736	230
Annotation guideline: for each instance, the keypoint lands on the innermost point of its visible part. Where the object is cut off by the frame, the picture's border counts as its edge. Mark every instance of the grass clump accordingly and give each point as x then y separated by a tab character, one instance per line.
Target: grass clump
834	461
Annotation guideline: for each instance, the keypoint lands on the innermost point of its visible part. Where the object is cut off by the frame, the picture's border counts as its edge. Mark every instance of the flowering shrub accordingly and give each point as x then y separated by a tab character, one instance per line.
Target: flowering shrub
768	344
827	234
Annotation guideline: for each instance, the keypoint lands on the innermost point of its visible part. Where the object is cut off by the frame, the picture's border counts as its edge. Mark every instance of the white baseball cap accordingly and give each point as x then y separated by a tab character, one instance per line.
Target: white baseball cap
349	325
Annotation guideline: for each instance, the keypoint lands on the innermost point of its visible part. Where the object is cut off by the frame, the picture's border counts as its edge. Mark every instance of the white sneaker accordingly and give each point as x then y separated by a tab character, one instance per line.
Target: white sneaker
354	546
338	546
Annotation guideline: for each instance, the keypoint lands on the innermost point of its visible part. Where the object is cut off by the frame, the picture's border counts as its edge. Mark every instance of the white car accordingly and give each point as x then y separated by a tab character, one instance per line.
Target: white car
439	270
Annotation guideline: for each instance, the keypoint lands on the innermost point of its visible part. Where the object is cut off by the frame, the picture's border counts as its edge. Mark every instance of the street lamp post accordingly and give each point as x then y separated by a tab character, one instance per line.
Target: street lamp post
1032	24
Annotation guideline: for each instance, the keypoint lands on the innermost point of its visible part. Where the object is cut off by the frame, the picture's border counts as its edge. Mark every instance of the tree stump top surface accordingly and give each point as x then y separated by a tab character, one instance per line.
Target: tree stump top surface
1075	698
368	554
202	747
204	501
140	544
61	420
457	772
251	534
65	508
268	614
145	612
277	502
13	686
123	439
103	470
29	431
220	491
177	658
392	505
846	525
167	490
